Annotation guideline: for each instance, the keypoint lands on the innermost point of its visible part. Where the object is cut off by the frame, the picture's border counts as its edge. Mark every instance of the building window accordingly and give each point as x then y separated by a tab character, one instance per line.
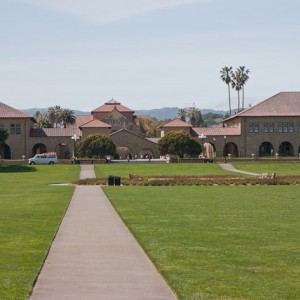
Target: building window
285	127
2	126
254	127
299	127
15	129
269	127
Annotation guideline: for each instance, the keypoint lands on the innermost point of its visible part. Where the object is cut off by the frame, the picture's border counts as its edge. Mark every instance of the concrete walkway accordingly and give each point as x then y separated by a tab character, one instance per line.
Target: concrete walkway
230	167
94	256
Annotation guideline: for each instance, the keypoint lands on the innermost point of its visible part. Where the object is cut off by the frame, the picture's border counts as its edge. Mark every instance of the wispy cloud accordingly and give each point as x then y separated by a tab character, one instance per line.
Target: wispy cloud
103	11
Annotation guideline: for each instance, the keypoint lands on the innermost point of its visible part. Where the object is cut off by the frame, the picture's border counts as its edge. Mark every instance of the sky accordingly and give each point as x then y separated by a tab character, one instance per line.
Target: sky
146	54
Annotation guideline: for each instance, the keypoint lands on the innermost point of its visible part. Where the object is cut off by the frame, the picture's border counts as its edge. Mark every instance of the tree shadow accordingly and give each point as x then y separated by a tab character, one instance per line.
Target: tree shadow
17	169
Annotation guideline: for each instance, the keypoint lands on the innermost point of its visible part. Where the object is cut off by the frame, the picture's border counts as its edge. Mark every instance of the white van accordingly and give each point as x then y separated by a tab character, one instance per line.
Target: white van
44	159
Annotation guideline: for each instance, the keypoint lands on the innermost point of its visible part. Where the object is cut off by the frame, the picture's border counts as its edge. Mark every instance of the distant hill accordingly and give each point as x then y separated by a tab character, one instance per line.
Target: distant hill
165	113
32	111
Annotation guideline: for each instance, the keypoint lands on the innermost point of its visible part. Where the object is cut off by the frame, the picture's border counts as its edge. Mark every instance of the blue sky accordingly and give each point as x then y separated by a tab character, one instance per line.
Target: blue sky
145	53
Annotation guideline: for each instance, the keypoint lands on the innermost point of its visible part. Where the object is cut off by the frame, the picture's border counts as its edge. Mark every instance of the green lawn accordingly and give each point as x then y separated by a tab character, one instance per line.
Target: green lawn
281	169
232	242
30	213
148	169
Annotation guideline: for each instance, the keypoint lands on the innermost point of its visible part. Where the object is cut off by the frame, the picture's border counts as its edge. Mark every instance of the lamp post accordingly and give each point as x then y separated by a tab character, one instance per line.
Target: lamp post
215	152
225	160
75	137
202	137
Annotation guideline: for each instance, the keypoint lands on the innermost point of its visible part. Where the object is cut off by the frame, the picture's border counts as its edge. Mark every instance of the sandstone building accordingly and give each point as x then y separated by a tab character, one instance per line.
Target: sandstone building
269	128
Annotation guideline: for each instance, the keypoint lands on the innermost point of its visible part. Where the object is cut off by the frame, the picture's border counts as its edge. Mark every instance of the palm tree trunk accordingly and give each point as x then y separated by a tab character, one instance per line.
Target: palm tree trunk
238	100
229	100
243	103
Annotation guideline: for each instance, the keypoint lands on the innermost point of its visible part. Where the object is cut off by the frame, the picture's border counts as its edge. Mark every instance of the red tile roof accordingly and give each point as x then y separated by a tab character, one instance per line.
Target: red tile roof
111	105
210	131
176	123
9	112
95	124
82	119
55	132
283	104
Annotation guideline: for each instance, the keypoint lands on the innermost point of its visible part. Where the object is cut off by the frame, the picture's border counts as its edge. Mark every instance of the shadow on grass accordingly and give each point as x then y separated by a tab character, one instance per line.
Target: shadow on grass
17	169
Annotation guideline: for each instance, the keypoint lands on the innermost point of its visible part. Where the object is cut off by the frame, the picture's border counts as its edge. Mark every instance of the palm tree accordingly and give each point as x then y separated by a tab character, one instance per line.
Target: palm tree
54	115
244	77
67	117
225	76
42	120
236	83
182	113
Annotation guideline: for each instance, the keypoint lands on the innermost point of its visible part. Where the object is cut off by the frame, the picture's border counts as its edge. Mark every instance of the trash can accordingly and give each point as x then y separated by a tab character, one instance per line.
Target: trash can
117	180
110	180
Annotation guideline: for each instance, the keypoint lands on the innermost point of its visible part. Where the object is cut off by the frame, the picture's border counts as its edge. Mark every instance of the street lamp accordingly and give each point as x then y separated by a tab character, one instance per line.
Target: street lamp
202	137
75	137
215	152
225	160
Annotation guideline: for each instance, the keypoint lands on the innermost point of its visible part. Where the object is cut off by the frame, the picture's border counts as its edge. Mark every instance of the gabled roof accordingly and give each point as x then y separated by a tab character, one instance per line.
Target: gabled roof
176	123
284	104
120	131
211	131
9	112
111	105
82	119
95	124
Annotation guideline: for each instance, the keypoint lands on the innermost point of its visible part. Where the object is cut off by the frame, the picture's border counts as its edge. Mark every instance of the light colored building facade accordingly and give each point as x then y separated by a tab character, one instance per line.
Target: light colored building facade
269	128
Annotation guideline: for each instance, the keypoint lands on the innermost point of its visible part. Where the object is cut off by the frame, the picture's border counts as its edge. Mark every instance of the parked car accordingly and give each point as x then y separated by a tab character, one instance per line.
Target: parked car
44	159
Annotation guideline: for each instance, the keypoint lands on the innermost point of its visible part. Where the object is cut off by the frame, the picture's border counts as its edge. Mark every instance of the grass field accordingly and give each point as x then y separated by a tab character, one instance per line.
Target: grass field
210	242
184	169
281	169
233	242
30	213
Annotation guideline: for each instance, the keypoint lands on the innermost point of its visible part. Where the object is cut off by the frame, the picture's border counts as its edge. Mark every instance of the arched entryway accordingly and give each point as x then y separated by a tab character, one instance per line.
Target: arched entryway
232	149
209	150
266	149
124	152
5	151
146	153
63	151
39	148
286	149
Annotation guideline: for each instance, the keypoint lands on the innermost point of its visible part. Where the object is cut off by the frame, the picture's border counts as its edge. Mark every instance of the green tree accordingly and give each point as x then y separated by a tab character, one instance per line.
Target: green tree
225	76
96	146
237	83
67	116
54	113
182	113
244	78
42	120
3	136
195	116
179	143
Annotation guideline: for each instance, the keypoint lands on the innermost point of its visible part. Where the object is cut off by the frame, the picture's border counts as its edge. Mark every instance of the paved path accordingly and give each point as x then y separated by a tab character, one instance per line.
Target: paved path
230	167
94	256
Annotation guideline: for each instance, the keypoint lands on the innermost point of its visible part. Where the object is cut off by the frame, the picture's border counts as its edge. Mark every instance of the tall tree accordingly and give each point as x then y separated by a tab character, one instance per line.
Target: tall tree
225	76
244	78
236	83
195	116
54	113
67	116
182	113
42	120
